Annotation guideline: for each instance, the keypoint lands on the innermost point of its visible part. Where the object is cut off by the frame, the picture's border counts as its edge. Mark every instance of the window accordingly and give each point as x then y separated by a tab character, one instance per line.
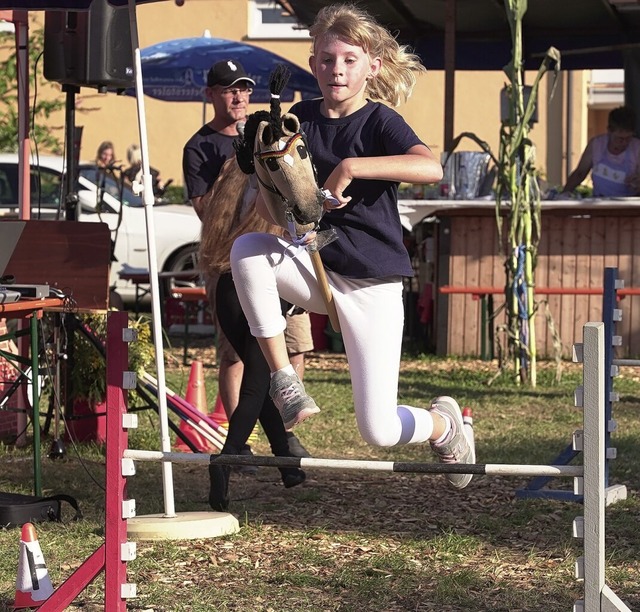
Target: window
110	184
8	185
46	188
267	19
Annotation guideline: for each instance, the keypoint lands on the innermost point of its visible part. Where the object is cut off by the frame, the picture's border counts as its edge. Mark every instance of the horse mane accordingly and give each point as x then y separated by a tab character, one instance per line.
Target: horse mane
227	216
245	145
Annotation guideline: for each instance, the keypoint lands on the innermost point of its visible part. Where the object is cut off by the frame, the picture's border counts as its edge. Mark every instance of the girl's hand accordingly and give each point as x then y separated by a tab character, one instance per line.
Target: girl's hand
304	240
329	201
336	184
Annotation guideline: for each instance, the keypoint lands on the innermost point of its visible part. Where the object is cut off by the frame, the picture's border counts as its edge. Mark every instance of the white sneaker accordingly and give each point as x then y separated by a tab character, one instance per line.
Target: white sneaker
290	398
457	448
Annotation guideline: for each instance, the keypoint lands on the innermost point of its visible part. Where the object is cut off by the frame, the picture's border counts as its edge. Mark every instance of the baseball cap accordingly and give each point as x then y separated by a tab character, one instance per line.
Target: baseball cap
226	73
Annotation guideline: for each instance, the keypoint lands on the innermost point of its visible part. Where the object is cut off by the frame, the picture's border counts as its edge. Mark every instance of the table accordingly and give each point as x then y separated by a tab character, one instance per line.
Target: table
189	295
31	309
140	278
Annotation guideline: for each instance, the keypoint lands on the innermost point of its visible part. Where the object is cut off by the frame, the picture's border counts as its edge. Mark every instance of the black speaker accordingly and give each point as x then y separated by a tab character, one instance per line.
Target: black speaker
89	48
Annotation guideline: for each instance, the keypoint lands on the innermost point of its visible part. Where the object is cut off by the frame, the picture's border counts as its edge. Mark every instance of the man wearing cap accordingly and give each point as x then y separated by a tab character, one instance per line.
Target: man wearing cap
229	88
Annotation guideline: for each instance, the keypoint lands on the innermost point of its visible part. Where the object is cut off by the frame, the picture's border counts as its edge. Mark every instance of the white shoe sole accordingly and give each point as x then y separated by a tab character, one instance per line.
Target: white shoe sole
304	414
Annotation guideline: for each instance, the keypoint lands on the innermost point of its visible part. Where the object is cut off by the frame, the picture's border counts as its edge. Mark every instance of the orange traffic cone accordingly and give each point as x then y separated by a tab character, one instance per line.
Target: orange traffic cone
196	392
196	396
219	414
33	585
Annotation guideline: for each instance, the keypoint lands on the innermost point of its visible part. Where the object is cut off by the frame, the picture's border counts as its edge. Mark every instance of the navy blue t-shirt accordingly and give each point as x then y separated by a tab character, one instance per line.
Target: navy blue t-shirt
202	159
369	243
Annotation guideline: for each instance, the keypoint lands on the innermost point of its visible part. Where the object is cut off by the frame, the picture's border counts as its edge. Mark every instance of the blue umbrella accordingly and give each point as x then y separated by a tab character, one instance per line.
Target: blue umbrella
60	5
176	70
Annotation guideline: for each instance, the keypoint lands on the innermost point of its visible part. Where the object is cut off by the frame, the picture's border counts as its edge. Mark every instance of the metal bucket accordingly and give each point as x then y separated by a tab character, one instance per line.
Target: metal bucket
464	174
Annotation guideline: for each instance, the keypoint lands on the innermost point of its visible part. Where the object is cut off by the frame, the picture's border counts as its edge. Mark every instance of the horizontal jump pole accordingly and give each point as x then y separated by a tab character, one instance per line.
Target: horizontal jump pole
482	291
627	362
489	469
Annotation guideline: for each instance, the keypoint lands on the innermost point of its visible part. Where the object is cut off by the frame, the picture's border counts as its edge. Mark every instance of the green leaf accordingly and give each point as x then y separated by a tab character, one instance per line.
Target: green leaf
39	108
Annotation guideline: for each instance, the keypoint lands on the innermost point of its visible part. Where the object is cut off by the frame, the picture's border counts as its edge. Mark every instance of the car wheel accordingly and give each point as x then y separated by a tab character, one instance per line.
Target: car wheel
178	267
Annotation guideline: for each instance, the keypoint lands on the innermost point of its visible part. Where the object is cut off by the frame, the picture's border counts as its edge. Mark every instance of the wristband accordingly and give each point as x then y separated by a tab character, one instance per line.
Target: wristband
330	198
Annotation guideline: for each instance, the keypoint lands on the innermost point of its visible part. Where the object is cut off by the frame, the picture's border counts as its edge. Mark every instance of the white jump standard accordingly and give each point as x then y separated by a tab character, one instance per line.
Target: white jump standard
113	555
589	477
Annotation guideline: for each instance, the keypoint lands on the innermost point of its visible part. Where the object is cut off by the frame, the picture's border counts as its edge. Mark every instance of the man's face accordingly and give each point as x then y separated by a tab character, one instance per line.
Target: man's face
619	140
231	102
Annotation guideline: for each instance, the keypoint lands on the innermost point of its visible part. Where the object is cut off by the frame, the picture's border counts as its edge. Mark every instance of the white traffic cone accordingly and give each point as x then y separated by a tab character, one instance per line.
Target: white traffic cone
467	420
33	585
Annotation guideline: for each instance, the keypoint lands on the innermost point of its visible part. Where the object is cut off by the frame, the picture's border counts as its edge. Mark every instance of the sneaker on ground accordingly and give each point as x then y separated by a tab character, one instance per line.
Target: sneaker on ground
290	398
456	448
292	477
295	446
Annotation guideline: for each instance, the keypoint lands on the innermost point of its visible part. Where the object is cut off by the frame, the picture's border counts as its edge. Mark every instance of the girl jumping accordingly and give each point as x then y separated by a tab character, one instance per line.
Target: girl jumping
362	150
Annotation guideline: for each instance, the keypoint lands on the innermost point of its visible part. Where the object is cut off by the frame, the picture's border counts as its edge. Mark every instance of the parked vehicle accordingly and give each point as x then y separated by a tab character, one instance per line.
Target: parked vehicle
104	198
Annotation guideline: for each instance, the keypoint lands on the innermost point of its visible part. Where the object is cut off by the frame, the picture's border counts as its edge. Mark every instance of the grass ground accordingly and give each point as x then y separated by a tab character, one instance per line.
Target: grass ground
353	541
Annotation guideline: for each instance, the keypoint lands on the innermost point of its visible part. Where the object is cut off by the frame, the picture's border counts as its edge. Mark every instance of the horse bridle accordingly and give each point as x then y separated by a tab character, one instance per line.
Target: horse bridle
265	157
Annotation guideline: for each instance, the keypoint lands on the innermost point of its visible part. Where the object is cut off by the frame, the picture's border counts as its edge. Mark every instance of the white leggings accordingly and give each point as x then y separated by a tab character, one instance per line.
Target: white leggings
371	314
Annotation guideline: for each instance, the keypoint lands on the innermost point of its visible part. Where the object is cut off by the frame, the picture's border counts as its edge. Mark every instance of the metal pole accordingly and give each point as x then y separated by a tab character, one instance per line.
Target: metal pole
156	311
449	71
569	126
70	195
35	387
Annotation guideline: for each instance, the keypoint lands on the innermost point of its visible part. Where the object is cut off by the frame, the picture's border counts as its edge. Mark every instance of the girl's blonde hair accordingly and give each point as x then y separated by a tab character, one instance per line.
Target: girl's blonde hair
134	155
397	77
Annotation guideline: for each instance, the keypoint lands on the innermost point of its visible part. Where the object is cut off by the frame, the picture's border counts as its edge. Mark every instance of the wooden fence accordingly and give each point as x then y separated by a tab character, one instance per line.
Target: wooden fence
576	246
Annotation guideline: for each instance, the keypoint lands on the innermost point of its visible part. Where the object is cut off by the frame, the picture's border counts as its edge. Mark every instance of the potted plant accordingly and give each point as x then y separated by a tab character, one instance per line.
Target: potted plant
86	379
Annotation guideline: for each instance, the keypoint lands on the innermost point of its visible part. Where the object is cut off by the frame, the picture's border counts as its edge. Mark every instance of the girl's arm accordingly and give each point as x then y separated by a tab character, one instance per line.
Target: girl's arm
417	165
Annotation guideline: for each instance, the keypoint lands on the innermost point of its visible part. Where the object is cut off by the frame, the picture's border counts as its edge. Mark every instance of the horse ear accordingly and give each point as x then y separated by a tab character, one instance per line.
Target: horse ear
266	134
290	124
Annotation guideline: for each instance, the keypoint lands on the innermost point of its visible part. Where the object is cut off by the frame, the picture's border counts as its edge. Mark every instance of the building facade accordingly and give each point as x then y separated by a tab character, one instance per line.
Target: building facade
564	119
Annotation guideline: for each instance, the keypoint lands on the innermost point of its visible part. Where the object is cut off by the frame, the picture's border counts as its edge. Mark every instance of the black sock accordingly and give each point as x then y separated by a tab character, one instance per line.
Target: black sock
219	487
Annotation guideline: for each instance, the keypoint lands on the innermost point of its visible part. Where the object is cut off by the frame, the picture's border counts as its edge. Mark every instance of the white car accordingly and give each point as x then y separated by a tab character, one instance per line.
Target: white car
177	227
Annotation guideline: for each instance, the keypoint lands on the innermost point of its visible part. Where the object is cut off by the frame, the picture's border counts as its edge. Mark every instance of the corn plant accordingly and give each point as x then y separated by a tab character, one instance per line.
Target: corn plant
518	199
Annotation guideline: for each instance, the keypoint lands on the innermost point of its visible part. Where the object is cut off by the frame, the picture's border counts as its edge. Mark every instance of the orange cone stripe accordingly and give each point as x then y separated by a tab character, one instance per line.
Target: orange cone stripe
28	533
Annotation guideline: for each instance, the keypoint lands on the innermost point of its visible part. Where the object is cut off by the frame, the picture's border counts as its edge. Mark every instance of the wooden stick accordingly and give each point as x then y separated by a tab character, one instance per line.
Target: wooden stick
325	290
